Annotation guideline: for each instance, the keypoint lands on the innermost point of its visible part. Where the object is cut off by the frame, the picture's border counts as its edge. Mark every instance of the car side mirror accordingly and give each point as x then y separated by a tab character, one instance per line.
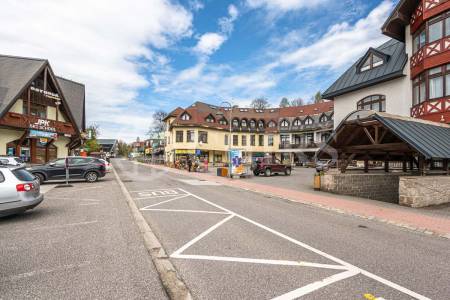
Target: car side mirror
51	164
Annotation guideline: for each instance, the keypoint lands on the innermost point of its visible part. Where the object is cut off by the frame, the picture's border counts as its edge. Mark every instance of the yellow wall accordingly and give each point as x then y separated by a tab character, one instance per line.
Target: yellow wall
51	113
17	107
6	136
61	143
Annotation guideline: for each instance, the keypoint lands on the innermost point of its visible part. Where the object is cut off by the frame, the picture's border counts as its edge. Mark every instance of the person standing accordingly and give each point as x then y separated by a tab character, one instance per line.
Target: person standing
189	163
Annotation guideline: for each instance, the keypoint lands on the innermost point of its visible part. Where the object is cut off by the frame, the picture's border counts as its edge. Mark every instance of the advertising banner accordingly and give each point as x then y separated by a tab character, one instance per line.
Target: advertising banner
237	166
42	134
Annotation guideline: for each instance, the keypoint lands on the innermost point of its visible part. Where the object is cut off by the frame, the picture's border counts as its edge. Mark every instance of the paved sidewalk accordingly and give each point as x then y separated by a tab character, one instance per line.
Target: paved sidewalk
397	215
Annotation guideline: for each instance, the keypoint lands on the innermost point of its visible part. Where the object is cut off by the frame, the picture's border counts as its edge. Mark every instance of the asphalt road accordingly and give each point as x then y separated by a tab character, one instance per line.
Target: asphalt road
80	243
229	243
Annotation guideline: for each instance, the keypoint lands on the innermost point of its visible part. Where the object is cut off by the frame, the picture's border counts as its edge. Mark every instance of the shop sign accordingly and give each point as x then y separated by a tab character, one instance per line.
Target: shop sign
46	93
182	151
237	166
42	134
43	125
148	151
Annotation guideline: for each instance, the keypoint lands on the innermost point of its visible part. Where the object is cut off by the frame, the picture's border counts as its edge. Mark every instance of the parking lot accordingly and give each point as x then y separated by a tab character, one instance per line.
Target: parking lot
233	244
80	243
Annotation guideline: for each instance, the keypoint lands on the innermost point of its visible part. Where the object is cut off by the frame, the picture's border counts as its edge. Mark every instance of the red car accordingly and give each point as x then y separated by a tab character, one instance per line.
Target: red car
269	166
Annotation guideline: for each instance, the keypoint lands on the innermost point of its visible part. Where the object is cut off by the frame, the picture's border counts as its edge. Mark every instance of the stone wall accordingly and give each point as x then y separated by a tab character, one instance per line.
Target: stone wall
383	187
420	191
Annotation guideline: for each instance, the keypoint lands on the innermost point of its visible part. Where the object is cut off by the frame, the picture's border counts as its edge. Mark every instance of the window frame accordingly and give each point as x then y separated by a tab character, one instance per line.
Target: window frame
261	140
235	140
371	65
423	81
253	140
179	136
190	136
244	140
284	121
369	101
425	29
202	134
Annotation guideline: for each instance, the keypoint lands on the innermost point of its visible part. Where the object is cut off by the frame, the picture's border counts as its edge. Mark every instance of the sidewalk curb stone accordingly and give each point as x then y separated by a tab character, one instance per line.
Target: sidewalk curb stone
170	279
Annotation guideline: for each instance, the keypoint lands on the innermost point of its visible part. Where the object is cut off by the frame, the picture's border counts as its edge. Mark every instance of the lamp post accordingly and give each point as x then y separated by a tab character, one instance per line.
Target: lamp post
228	104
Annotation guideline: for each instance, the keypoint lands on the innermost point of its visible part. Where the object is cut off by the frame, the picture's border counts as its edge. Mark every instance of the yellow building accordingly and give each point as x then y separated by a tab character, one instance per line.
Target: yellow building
203	131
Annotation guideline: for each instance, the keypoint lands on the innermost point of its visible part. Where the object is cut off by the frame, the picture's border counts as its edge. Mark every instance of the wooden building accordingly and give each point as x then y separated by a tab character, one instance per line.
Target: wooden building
42	116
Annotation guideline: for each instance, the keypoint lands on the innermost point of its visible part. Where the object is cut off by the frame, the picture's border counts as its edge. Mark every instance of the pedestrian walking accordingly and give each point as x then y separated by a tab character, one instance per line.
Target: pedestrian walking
189	163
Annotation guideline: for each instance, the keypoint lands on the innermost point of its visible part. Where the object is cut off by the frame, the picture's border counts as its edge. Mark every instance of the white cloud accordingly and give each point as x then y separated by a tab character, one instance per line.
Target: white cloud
343	42
103	44
284	5
196	5
209	43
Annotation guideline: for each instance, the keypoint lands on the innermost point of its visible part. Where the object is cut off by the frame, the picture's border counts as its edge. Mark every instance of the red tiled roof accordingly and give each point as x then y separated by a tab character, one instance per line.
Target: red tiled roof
199	111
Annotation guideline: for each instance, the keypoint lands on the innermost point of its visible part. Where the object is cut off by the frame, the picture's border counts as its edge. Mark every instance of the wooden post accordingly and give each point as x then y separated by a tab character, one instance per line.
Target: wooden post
29	102
386	163
45	79
366	165
411	164
404	165
421	165
445	166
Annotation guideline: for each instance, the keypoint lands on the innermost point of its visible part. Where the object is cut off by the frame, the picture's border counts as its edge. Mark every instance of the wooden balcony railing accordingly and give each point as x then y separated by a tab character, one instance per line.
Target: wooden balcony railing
429	107
31	122
430	50
309	145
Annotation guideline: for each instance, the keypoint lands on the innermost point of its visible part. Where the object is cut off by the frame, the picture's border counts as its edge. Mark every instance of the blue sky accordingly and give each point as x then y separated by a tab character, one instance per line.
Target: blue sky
160	54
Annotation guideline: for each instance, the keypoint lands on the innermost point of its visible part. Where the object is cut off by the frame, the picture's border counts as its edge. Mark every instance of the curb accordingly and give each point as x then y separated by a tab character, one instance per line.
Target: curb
170	279
402	225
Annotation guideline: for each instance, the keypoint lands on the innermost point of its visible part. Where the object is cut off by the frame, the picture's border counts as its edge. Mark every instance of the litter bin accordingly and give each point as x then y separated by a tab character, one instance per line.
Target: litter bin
317	182
219	171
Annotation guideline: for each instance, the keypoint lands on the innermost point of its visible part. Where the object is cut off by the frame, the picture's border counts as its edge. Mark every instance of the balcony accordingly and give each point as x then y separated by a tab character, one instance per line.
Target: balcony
309	145
430	55
433	110
33	122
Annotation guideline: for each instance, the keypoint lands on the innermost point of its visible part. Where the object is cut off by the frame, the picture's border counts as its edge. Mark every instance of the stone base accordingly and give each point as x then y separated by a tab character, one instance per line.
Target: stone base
420	191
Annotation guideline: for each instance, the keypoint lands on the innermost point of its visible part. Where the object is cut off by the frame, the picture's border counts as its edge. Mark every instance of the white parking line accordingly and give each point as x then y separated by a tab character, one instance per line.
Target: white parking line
162	202
187	211
352	270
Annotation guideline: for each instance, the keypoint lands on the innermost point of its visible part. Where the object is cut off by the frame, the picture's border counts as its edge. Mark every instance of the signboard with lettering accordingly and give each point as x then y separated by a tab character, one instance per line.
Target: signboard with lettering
42	134
43	125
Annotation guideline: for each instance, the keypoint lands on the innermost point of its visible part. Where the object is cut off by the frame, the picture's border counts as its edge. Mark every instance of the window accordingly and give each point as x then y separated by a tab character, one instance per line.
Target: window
297	123
371	62
272	124
284	138
23	175
252	140
309	121
252	123
2	178
203	137
235	123
270	140
244	140
261	140
190	136
244	123
435	31
179	136
435	83
260	124
375	102
223	121
235	140
431	84
225	141
284	124
185	117
210	119
323	118
37	110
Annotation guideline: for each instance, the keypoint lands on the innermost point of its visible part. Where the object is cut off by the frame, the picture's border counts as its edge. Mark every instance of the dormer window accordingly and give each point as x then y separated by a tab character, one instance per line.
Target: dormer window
272	124
284	124
244	123
210	119
261	124
223	121
372	61
235	123
297	123
185	117
252	123
323	118
309	121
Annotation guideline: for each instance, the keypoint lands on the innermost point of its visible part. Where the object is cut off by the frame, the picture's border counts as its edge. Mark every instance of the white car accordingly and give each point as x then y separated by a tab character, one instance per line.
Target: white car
11	161
108	166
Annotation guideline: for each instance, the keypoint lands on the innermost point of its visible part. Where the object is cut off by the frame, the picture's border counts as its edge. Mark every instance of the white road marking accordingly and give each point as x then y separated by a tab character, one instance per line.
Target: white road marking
88	204
87	188
162	202
186	211
317	285
203	234
198	182
352	270
260	261
45	271
155	190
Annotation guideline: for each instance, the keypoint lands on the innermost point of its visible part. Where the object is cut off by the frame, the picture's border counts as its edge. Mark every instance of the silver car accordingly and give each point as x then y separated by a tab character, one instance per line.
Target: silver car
19	190
12	161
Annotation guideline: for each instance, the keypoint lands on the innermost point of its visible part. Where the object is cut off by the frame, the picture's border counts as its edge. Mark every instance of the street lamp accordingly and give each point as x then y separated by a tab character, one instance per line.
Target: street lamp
219	113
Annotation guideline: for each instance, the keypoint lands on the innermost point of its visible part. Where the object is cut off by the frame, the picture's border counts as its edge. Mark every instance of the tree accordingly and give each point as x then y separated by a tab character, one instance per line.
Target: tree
284	102
92	146
158	125
124	148
318	97
297	102
93	131
260	103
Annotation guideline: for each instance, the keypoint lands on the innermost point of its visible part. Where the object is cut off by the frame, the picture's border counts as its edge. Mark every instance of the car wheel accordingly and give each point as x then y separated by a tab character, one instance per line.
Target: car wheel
91	177
267	172
287	172
256	173
40	177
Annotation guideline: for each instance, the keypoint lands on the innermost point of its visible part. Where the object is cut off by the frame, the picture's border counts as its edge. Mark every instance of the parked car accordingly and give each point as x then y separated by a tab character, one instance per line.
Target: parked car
89	168
19	190
107	165
269	166
324	165
11	161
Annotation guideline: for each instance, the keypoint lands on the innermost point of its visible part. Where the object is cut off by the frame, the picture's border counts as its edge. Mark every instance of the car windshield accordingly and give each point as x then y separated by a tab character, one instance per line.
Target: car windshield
18	160
23	175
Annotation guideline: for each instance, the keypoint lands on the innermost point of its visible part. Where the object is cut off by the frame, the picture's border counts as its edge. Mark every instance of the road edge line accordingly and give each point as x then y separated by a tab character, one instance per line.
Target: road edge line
174	286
